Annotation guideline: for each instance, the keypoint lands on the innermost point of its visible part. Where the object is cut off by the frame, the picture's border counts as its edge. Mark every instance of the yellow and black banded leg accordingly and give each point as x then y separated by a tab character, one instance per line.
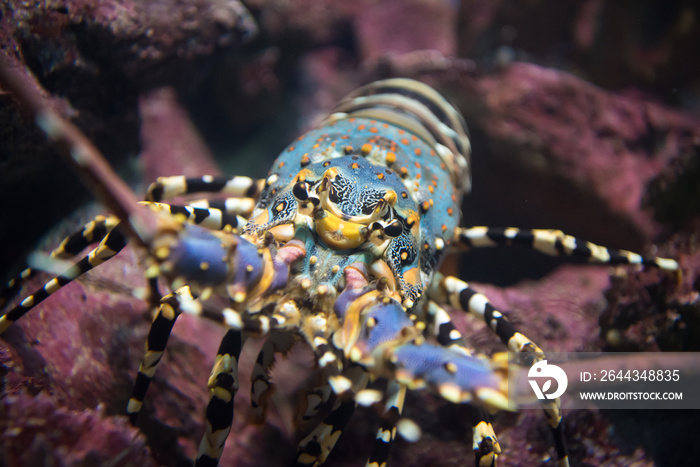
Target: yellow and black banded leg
157	340
314	400
555	243
14	285
110	245
92	232
330	360
461	296
165	188
232	206
260	386
387	428
211	218
441	327
223	385
485	443
315	448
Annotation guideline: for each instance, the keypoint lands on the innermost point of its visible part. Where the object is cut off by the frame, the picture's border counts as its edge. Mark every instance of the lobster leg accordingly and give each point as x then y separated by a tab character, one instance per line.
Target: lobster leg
460	295
314	399
15	284
165	188
223	385
485	443
232	206
92	232
315	448
110	245
443	329
210	217
157	340
387	430
555	243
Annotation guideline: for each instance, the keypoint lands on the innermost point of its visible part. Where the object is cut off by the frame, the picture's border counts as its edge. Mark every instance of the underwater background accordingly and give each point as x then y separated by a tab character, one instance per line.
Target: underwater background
583	116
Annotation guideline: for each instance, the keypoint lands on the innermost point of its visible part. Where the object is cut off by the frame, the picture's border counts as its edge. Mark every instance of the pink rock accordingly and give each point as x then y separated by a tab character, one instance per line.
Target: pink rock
170	144
380	28
544	124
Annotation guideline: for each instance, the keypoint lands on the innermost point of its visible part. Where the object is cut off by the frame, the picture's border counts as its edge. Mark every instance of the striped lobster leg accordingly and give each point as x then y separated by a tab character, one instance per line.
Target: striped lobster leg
387	430
13	286
242	207
314	400
165	188
209	217
555	243
157	340
315	448
485	443
461	296
223	385
109	246
92	232
244	192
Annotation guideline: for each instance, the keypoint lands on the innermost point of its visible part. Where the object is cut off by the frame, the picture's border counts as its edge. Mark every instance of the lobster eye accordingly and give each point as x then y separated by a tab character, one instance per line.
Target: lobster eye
301	191
393	229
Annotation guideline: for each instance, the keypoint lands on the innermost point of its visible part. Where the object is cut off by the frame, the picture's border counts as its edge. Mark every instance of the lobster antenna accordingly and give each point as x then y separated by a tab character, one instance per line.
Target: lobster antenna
81	154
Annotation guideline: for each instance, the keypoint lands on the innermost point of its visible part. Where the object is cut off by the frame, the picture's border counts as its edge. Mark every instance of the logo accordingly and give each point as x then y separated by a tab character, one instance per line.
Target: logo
542	370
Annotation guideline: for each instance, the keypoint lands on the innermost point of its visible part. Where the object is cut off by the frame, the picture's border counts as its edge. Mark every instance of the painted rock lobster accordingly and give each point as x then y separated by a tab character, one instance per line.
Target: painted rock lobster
339	248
